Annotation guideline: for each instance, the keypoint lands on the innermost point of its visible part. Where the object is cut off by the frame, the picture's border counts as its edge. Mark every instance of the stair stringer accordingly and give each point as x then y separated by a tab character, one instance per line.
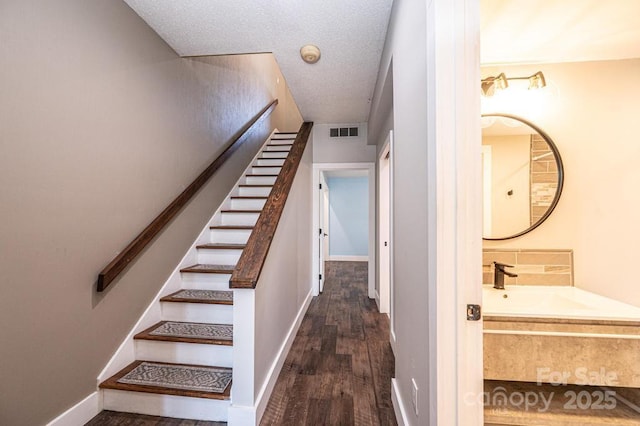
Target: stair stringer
126	354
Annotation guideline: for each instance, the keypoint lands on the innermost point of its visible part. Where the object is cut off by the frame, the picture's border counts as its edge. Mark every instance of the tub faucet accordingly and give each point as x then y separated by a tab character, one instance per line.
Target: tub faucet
499	273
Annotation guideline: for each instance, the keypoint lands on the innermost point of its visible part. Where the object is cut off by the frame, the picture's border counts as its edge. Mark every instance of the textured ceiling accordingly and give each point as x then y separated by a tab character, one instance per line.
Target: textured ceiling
526	31
350	35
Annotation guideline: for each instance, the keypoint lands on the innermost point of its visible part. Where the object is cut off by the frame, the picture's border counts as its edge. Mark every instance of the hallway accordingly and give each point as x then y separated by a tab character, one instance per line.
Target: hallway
338	371
340	366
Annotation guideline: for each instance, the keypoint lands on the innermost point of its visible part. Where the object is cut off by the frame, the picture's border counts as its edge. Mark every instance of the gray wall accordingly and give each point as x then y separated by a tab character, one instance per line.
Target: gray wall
353	149
101	126
404	59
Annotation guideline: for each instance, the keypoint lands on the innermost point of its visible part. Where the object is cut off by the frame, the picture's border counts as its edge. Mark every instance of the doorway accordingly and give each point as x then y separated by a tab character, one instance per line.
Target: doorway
342	224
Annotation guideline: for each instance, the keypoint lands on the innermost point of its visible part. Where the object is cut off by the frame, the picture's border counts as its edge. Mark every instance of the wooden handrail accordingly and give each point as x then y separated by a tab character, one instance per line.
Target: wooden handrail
248	268
120	262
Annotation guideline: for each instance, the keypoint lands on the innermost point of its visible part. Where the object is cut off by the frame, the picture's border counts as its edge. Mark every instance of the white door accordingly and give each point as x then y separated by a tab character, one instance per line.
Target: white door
384	228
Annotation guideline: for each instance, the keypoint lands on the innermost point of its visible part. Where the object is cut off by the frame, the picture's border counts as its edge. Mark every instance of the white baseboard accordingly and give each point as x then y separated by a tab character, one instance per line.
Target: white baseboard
392	341
348	258
398	404
377	298
80	413
274	372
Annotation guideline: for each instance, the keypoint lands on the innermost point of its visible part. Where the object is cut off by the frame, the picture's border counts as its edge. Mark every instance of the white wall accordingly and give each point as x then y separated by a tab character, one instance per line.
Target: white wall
348	216
352	149
590	114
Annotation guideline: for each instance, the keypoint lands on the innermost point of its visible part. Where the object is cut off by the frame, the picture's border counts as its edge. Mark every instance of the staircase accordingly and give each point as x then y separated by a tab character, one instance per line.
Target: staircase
183	363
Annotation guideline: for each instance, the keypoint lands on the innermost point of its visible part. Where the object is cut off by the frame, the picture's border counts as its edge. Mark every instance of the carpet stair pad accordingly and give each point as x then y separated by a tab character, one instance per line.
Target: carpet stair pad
189	332
172	379
216	297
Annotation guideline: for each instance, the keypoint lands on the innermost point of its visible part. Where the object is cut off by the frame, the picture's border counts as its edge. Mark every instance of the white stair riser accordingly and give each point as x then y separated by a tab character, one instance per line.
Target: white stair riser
254	191
274	154
197	312
277	148
265	170
260	180
276	162
248	219
218	257
198	281
184	353
231	236
166	405
247	204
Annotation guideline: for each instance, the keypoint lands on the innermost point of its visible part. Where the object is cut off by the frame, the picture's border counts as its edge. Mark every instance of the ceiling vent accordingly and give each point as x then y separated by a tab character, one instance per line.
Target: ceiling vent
341	132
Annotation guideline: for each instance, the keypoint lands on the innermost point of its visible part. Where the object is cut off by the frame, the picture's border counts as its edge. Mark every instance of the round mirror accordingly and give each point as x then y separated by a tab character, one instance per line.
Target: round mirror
522	176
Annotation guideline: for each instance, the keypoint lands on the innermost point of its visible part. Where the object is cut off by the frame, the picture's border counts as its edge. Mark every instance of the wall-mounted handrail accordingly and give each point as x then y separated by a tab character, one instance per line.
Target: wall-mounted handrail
120	262
248	268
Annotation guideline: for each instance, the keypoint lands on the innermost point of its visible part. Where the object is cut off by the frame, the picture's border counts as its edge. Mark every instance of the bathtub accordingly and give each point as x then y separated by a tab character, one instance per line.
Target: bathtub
560	335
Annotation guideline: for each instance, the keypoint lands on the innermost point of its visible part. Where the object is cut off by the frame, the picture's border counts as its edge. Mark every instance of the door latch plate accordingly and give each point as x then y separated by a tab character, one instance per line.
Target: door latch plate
473	312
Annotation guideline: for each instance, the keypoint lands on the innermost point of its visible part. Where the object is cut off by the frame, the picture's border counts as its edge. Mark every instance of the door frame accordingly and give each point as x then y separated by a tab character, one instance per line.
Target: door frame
315	260
454	160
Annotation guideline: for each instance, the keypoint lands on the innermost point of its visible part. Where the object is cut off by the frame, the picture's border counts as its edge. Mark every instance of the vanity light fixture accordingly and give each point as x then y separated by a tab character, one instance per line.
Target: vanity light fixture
501	81
490	84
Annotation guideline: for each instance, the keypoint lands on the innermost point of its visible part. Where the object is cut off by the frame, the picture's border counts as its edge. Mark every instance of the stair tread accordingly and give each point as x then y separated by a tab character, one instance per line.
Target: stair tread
195	381
279	144
189	332
258	166
239	211
214	297
231	227
248	185
281	151
248	197
209	269
221	246
259	175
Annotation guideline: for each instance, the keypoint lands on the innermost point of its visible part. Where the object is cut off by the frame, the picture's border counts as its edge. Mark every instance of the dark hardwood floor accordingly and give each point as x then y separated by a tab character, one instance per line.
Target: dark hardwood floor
340	366
338	371
112	418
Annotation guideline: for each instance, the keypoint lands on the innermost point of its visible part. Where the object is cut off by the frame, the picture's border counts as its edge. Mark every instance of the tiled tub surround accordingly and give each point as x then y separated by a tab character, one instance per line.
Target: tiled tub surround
533	266
560	334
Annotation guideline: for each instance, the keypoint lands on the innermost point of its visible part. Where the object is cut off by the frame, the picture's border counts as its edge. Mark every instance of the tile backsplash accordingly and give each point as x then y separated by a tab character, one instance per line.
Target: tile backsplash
533	266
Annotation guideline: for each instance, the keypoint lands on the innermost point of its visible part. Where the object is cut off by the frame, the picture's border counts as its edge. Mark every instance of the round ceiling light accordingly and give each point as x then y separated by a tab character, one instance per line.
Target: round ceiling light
310	53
